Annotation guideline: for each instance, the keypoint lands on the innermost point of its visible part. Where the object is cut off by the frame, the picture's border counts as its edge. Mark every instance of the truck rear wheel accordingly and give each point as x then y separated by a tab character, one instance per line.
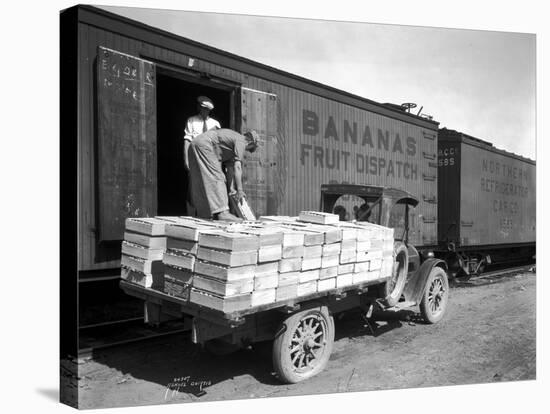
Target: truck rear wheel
393	288
435	297
303	349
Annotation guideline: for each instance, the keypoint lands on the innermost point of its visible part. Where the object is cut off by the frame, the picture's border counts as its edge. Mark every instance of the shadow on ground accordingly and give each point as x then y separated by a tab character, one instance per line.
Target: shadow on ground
175	362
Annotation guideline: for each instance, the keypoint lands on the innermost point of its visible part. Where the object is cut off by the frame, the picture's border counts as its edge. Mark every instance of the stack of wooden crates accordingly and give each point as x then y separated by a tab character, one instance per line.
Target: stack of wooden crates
234	267
143	249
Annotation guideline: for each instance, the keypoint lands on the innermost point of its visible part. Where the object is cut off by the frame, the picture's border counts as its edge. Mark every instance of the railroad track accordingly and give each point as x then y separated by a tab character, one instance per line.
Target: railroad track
494	276
95	337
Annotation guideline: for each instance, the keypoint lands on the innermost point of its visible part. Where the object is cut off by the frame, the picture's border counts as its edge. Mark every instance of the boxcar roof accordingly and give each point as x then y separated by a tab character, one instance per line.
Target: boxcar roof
140	31
446	134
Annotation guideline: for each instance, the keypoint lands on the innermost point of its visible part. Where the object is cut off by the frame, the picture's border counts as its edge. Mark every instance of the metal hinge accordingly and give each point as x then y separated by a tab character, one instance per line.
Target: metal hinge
428	135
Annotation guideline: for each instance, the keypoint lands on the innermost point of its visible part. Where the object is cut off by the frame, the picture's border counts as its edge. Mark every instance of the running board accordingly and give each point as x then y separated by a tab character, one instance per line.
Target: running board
401	306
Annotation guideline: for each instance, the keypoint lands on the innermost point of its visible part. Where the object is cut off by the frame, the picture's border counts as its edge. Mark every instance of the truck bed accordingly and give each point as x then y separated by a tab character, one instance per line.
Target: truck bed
234	318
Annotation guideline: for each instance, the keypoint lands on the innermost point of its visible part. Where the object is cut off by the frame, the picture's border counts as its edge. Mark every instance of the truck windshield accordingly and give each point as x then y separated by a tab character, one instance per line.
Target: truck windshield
351	207
369	211
397	221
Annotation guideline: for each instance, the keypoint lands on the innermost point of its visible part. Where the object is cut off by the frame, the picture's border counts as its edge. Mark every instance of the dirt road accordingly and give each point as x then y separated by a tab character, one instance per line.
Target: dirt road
488	335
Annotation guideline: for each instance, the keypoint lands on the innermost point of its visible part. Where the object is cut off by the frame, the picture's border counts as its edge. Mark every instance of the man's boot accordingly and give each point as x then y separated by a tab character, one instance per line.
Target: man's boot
227	216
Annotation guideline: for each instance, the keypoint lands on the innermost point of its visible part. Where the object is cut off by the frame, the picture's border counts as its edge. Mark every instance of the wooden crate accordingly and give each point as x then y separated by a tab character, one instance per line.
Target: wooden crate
188	246
176	288
311	237
148	225
148	280
330	261
293	251
347	256
266	268
292	237
307	288
270	253
263	297
344	280
267	236
308	276
313	251
225	305
145	253
361	266
151	242
375	264
288	278
188	230
364	246
318	217
311	263
223	288
360	277
331	249
348	245
286	292
142	265
227	258
328	272
183	275
223	240
349	230
362	256
181	260
345	268
290	265
326	284
267	281
224	273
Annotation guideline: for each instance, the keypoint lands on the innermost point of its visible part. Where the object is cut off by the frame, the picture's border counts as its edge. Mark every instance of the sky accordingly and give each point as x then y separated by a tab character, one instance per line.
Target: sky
482	83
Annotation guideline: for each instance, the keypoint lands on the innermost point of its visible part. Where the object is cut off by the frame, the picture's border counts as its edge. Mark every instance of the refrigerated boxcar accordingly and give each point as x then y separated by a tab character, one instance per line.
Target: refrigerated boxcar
487	205
135	86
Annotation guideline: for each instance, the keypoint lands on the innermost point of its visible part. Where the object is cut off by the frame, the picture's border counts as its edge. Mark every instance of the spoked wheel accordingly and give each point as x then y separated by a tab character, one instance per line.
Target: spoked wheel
393	288
436	296
303	349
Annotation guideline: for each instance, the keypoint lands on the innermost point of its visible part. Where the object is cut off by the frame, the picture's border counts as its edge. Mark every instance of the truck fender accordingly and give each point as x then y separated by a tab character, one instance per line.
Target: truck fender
416	285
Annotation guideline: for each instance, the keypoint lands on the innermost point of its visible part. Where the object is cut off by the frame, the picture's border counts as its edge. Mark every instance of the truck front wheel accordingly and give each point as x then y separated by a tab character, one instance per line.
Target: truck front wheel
435	297
303	348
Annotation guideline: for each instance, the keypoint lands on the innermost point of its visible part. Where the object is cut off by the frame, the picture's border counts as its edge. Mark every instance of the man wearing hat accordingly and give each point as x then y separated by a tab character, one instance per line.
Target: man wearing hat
198	124
209	154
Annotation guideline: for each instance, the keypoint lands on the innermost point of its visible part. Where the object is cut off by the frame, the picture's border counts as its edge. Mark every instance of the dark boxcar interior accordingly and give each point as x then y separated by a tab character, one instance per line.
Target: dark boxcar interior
177	101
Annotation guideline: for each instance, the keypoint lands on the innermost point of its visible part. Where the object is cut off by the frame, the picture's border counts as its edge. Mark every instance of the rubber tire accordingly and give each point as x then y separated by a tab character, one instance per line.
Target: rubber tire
220	347
282	362
401	254
425	311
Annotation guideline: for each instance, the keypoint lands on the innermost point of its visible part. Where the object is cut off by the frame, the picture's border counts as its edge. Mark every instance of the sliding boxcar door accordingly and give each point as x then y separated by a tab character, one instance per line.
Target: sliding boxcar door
259	113
127	142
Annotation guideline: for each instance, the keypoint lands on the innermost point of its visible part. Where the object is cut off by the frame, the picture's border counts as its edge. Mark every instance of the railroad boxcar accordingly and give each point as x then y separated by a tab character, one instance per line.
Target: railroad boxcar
127	90
487	203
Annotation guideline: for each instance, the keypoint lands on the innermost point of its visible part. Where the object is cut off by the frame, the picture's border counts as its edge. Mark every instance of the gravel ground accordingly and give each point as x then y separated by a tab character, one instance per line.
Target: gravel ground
488	335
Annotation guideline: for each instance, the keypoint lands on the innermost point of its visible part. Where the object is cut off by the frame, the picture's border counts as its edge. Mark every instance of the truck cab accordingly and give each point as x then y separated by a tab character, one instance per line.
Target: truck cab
425	277
385	206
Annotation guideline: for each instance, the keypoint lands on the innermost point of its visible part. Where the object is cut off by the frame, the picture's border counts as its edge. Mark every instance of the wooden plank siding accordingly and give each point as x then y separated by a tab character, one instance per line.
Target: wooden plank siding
300	178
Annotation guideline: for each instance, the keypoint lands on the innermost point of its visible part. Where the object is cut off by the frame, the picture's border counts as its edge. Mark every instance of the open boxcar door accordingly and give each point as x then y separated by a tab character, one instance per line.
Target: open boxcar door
126	167
260	170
